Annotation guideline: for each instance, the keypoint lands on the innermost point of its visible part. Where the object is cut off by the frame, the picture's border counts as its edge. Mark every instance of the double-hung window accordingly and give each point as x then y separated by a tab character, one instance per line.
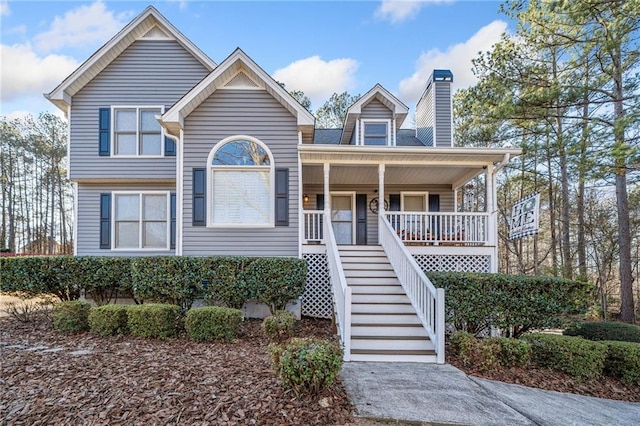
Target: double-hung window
141	220
376	132
242	184
136	132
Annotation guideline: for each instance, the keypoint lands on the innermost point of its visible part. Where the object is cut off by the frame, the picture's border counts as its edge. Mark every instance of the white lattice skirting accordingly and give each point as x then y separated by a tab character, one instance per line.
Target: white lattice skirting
317	299
454	263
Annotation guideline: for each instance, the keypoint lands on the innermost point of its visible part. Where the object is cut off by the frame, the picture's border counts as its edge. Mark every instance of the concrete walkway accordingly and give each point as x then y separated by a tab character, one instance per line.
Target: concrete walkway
442	394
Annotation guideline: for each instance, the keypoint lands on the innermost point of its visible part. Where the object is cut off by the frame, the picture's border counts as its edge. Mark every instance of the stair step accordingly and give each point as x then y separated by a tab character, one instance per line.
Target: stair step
397	319
426	357
380	298
377	289
360	273
373	281
350	260
366	267
395	345
399	330
359	248
382	308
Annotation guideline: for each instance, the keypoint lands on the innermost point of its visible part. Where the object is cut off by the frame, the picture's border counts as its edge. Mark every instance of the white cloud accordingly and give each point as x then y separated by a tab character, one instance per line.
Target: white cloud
457	58
81	26
4	8
24	72
317	78
182	4
397	11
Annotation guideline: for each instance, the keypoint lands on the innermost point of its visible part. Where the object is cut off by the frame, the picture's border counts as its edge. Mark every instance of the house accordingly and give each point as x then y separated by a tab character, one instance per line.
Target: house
172	153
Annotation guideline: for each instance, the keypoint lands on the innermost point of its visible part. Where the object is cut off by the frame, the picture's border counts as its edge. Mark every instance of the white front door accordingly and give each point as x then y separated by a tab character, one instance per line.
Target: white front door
342	215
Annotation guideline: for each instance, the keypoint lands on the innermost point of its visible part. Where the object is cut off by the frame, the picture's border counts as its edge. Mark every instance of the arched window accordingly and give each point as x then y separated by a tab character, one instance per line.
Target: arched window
241	182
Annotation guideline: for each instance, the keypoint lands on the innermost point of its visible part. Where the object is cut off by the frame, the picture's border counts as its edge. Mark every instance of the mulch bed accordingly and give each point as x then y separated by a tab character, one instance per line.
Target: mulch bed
544	378
128	380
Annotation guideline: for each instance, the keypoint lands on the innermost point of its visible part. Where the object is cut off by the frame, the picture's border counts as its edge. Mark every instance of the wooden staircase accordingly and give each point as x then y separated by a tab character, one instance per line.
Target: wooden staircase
384	324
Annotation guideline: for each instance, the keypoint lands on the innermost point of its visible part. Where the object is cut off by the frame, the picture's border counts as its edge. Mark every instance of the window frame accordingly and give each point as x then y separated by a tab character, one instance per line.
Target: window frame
140	194
210	188
363	126
138	132
425	194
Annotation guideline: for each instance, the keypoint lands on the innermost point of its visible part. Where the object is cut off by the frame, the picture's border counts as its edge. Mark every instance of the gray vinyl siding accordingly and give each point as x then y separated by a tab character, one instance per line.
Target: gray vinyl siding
446	200
424	117
231	112
149	72
443	114
88	220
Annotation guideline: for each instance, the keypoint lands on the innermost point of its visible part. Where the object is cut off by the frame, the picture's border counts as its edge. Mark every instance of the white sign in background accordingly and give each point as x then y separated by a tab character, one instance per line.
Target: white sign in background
524	217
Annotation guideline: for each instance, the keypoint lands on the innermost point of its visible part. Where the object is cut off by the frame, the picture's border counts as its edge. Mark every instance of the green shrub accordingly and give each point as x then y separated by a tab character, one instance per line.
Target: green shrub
466	347
153	320
109	320
168	279
106	277
582	359
514	303
277	280
623	361
71	316
61	276
226	282
279	326
213	323
512	352
604	330
305	365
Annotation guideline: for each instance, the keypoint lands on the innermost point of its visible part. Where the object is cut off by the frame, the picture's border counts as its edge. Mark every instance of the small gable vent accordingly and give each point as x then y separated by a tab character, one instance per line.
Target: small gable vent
241	80
156	33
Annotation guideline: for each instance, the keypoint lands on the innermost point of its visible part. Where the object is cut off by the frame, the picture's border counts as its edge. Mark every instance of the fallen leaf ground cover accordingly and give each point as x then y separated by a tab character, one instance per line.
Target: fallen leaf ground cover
50	378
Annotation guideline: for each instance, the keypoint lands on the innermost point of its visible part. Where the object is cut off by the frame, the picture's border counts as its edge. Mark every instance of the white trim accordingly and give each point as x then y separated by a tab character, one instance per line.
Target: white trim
68	114
140	194
433	109
365	121
75	218
351	194
425	194
180	194
301	222
272	189
112	131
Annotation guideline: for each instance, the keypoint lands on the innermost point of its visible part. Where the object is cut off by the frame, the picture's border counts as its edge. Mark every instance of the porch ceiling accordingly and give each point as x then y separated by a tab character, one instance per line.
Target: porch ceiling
356	165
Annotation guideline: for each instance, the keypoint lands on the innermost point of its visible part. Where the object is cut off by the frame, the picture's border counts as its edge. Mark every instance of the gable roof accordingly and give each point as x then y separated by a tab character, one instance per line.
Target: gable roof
149	24
239	71
399	109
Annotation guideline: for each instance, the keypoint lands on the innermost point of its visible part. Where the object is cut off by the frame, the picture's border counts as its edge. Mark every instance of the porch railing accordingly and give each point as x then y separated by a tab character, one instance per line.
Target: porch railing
313	229
427	300
341	292
440	228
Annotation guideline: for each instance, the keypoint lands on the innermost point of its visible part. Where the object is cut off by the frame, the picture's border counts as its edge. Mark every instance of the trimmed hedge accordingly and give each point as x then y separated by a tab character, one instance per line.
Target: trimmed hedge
154	320
109	320
213	323
277	280
515	303
582	359
305	365
279	326
106	277
605	330
71	316
225	281
487	354
623	361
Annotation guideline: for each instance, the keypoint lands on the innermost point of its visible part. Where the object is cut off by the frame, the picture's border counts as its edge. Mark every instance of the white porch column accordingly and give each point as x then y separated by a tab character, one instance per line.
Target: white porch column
327	195
381	212
492	210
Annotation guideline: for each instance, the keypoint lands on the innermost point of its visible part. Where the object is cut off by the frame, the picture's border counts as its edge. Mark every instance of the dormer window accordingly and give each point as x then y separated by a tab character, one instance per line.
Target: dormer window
375	132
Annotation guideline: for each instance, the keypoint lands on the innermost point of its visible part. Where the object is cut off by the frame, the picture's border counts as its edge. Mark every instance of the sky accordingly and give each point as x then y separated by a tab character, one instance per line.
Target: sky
319	47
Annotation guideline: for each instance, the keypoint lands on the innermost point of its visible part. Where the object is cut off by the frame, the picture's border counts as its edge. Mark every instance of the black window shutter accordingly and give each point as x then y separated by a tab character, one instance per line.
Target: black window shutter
105	221
361	219
172	236
434	202
169	147
104	131
199	197
282	197
319	201
394	202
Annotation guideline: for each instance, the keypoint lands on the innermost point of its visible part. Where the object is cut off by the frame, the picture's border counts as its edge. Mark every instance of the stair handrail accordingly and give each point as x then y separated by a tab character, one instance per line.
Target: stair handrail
427	300
341	291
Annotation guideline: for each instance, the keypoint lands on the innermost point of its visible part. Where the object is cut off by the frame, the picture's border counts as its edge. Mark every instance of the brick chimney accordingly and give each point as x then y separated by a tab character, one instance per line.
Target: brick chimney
433	111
